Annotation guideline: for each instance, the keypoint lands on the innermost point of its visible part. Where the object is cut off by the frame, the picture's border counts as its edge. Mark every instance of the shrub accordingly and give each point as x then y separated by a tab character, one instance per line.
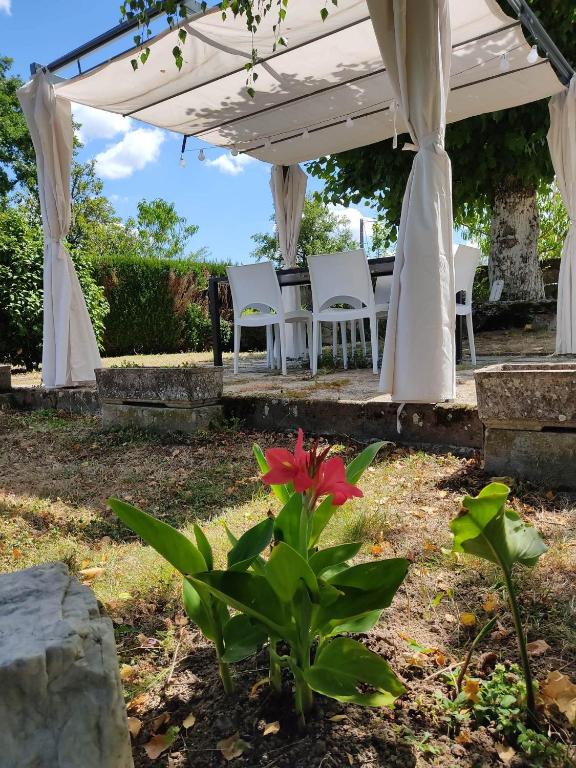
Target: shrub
21	273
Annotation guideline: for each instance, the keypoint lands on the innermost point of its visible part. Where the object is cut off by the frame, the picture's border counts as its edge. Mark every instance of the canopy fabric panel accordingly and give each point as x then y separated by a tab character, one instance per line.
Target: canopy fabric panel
69	349
418	363
562	143
331	71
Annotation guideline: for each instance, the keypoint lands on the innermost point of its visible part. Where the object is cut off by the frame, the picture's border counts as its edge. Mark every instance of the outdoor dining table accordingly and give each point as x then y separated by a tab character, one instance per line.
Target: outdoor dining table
291	277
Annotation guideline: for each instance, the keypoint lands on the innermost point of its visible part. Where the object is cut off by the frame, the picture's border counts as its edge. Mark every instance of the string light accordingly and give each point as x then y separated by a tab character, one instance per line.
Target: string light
504	62
182	162
234	152
533	55
306	134
349	122
267	143
201	156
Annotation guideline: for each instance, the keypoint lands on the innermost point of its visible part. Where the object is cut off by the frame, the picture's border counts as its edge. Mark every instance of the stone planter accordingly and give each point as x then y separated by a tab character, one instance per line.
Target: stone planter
160	399
529	411
5	378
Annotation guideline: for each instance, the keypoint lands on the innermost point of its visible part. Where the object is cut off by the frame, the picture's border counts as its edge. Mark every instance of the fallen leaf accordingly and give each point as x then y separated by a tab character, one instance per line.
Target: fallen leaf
490	603
189	721
159	721
138	703
464	737
468	619
16	553
417	659
505	753
160	743
127	673
376	550
558	689
271	728
337	718
85	564
471	688
232	747
257	685
537	647
134	726
440	658
91	573
430	547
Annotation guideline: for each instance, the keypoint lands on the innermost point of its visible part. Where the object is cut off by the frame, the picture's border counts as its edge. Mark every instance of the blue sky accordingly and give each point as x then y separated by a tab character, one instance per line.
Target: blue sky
229	198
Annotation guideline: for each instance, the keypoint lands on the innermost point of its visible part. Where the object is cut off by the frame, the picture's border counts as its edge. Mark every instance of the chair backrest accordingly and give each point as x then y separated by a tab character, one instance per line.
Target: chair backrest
338	277
255	286
383	289
466	260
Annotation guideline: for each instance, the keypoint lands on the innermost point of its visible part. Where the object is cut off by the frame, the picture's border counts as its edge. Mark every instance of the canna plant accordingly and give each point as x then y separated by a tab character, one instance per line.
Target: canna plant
295	595
488	529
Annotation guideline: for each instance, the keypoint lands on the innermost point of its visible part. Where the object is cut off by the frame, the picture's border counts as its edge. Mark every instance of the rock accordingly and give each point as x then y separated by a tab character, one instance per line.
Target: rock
61	704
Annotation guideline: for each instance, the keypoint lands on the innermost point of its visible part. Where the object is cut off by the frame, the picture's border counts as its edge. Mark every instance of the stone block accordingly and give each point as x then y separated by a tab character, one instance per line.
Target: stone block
161	420
176	387
61	703
527	396
544	458
5	378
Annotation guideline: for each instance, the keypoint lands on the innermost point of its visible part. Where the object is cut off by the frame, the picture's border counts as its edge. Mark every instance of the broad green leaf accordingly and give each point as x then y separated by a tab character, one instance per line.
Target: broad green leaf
344	665
167	541
196	610
282	492
356	626
204	546
287	523
284	571
327	558
358	466
232	540
243	637
249	545
250	594
321	518
488	530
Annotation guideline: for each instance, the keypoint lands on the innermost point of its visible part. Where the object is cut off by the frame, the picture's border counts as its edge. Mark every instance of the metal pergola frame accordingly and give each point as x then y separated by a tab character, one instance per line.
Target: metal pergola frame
521	9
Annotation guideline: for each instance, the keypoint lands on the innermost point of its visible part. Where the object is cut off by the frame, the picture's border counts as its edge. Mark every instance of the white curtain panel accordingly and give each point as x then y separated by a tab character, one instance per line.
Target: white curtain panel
288	184
69	352
562	143
418	364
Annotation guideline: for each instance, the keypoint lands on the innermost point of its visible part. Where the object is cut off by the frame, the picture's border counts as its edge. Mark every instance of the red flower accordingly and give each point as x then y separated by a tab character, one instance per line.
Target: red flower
309	471
332	482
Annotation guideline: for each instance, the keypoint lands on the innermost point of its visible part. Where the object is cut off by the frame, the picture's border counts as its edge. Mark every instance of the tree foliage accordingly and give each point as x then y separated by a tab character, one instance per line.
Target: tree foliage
323	231
17	163
161	232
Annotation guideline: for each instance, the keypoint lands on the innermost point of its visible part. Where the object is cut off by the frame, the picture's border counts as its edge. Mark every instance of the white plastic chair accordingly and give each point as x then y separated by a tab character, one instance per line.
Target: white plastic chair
466	261
255	287
342	278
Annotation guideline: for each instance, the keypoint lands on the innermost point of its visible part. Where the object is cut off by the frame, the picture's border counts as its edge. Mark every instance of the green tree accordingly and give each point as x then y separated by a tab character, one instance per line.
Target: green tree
161	232
17	163
322	231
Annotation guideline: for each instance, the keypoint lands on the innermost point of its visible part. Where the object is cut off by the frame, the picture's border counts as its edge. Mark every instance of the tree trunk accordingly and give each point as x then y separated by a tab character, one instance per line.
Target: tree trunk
514	233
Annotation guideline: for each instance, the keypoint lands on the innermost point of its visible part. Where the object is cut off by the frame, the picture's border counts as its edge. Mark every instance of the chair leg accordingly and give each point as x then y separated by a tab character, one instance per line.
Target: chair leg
269	346
237	332
344	336
470	330
282	334
353	338
374	342
309	344
334	340
316	331
363	336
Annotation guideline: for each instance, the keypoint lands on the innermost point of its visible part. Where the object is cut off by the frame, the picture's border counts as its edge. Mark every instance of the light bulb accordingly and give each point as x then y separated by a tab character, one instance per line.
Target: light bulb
234	152
349	122
267	143
182	162
504	63
533	55
305	133
201	156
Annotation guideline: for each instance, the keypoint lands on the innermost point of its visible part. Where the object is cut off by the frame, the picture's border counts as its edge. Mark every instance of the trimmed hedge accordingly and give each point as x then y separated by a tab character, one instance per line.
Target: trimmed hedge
157	305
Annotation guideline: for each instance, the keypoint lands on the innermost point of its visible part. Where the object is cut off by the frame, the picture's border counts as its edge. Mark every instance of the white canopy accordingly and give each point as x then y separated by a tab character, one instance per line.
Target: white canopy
562	143
419	359
330	71
69	348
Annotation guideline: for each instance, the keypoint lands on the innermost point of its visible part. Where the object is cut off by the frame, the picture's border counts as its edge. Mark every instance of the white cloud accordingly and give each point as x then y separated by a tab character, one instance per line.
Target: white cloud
229	164
137	149
353	217
97	124
6	6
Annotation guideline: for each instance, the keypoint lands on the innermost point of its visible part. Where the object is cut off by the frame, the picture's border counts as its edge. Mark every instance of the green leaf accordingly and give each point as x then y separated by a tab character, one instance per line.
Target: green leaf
490	531
204	546
281	492
358	466
344	665
284	571
327	558
167	541
287	523
323	14
356	626
248	593
243	637
196	609
249	545
321	518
